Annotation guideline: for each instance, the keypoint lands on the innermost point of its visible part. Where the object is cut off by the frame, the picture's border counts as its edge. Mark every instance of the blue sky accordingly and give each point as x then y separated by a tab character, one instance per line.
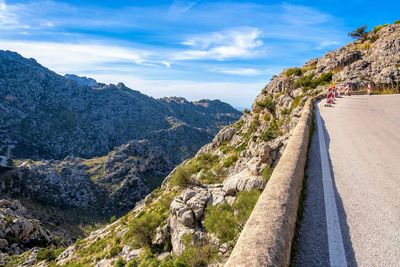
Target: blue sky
196	49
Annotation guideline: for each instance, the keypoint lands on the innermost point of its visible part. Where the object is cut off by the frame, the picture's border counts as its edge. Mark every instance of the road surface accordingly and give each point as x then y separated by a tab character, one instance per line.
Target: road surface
352	191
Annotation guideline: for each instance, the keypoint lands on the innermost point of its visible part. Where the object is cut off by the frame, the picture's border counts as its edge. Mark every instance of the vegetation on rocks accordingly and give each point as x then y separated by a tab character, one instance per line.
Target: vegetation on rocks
310	82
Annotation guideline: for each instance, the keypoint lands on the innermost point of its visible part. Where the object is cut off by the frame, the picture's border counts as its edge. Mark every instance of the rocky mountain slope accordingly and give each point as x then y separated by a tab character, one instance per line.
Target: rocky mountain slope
48	116
196	216
84	151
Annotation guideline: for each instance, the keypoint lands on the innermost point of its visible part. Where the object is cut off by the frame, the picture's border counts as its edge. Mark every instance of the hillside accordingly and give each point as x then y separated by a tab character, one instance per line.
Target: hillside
196	216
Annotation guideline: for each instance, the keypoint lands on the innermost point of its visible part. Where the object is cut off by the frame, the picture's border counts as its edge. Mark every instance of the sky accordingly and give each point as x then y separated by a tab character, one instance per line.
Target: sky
225	50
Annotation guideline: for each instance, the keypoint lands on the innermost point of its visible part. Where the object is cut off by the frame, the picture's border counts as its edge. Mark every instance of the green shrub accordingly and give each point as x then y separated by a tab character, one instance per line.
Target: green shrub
247	111
266	173
230	160
308	82
132	263
225	149
324	78
8	218
267	117
271	132
72	264
113	219
48	254
296	102
267	102
377	28
293	71
114	251
142	228
147	259
221	221
120	262
199	253
182	174
309	67
238	125
244	204
397	22
208	177
285	111
94	248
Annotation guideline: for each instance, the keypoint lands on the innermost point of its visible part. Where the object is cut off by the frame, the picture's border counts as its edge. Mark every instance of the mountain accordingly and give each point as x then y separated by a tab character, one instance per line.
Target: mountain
84	151
195	217
48	116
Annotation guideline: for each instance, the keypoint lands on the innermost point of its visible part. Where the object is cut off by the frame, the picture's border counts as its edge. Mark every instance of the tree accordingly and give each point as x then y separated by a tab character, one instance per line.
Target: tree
359	32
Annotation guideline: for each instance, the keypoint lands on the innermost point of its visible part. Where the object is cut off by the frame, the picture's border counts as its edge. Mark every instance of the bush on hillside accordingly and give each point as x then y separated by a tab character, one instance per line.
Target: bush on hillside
221	221
182	175
271	132
120	262
308	81
48	254
359	33
142	228
267	102
266	173
199	253
230	160
227	221
244	205
293	71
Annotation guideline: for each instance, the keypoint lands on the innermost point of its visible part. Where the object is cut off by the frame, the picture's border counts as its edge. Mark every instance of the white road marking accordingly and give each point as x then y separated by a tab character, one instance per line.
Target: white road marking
337	255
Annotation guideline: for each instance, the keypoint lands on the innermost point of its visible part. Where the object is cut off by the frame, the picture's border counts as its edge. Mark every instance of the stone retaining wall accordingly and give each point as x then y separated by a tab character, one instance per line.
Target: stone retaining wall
267	236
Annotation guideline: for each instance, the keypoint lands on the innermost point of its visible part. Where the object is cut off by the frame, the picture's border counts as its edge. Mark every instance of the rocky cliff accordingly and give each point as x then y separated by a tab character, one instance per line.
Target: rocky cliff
196	216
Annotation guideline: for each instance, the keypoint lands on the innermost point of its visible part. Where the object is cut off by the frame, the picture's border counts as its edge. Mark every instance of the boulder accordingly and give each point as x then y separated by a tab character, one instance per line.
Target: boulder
242	181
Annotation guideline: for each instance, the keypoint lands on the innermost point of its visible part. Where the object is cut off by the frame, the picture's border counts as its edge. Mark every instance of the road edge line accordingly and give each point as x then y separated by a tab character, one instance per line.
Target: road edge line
337	255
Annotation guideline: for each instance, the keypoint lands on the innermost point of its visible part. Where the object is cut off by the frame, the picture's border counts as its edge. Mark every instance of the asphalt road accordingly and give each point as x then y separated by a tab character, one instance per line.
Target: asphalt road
352	201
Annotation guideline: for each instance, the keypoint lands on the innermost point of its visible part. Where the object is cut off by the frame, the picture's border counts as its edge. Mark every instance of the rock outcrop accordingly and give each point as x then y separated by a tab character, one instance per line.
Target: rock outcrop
18	231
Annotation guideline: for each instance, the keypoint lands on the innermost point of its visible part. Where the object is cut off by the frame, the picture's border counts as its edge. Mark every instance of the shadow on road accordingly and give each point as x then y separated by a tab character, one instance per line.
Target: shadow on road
310	244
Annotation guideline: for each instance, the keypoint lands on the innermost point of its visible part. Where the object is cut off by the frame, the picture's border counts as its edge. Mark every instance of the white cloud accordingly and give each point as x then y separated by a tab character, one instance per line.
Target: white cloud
326	44
7	16
239	71
166	64
179	7
232	44
64	57
238	94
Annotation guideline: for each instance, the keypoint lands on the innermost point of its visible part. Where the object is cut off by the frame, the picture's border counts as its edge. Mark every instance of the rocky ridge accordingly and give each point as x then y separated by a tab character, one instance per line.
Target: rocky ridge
195	217
48	116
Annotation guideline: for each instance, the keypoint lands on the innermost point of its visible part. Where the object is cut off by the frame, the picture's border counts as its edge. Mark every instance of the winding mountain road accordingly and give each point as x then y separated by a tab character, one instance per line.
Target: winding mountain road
352	194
